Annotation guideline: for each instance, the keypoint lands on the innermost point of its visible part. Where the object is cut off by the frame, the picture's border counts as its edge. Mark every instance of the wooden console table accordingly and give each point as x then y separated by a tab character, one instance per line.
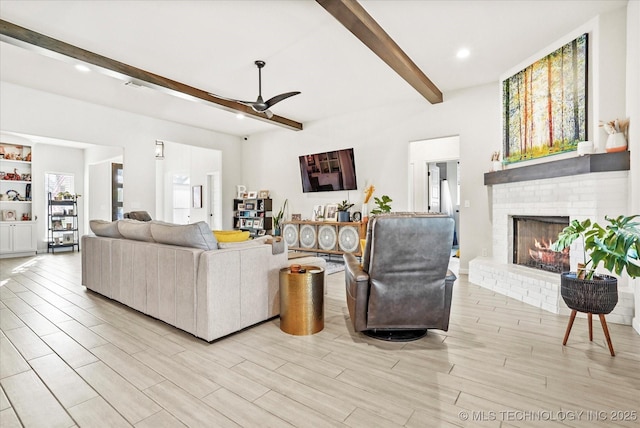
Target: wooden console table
324	236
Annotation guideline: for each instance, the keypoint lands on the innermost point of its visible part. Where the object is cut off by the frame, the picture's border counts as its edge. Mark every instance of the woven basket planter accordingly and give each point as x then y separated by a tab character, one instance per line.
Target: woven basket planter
596	296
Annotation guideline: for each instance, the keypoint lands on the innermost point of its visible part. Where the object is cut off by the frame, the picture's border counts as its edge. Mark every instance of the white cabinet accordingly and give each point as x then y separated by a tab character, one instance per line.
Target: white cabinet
17	238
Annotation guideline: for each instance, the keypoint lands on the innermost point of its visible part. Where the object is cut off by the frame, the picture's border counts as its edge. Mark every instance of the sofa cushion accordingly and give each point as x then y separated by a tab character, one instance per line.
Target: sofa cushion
195	235
231	235
246	244
136	230
107	229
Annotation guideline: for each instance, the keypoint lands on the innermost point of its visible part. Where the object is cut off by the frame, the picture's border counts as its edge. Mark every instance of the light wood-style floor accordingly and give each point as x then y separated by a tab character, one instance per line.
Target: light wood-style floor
69	357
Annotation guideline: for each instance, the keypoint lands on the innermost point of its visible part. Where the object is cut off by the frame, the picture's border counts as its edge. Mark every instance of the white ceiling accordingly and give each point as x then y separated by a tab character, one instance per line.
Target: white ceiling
212	45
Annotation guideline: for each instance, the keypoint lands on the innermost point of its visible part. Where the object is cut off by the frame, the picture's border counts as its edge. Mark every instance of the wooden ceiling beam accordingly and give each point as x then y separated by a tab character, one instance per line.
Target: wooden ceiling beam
353	16
25	38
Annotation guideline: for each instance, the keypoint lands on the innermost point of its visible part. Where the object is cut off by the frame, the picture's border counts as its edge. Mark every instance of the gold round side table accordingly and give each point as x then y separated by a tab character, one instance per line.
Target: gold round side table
302	300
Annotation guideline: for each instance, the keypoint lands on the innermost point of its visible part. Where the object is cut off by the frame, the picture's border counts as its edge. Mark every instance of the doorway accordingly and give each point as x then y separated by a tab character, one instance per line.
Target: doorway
434	182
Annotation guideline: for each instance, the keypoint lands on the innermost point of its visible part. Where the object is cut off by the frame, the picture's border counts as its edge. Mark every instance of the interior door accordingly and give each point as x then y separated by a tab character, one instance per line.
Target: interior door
433	188
214	202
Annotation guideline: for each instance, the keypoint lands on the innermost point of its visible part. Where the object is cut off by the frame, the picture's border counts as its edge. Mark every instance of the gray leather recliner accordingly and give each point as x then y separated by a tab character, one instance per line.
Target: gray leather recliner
403	286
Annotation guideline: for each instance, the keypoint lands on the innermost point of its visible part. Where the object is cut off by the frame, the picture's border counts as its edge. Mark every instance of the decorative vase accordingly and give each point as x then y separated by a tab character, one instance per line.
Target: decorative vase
616	143
276	231
343	216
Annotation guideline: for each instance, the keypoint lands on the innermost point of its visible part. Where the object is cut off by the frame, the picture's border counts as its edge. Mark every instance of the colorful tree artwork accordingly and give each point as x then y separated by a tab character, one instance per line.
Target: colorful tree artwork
545	105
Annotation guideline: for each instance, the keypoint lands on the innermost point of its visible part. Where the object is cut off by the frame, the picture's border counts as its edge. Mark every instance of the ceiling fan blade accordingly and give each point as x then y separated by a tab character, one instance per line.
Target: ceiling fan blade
271	101
259	105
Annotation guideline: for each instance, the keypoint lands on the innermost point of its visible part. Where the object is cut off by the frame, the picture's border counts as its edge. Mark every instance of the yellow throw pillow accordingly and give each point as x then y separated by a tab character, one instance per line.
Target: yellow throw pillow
231	235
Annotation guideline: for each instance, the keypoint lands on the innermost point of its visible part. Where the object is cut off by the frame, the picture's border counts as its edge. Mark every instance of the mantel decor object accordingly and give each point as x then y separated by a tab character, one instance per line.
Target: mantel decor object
616	143
585	148
617	139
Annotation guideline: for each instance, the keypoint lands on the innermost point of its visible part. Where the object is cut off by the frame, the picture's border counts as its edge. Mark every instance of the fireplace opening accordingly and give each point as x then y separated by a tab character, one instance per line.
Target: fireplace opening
532	239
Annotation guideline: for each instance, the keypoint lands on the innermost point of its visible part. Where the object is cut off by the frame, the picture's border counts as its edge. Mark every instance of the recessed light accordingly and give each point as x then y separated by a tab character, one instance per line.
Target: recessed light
83	68
463	53
239	116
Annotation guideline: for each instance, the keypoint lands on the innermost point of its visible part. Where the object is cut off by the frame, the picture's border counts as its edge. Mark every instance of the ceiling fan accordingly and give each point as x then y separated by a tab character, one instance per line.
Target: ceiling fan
260	105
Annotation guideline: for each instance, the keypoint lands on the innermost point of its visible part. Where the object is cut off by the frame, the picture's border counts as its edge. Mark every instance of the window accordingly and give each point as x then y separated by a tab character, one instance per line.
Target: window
56	182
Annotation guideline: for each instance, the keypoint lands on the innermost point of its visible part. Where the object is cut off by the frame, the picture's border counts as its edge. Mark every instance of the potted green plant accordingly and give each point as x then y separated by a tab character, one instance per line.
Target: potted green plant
343	210
383	205
277	219
617	247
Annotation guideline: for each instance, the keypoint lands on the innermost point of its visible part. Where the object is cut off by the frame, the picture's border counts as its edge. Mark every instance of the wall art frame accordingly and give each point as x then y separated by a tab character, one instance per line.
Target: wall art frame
545	105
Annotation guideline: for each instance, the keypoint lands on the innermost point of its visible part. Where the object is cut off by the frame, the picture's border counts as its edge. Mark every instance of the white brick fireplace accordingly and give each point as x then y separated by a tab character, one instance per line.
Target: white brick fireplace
592	195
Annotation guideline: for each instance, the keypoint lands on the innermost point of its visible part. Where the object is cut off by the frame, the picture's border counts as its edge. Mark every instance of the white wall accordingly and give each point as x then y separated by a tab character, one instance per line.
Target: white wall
68	119
380	138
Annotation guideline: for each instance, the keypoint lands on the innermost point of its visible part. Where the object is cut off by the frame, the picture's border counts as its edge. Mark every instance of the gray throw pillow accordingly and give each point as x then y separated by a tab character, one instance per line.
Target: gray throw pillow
195	235
136	230
139	215
104	228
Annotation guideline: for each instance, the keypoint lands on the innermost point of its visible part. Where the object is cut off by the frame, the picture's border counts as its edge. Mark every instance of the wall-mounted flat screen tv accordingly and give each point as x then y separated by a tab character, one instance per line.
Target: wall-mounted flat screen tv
328	171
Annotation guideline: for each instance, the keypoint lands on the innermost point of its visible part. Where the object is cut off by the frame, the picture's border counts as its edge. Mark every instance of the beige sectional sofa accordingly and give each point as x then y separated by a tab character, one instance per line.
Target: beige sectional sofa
182	276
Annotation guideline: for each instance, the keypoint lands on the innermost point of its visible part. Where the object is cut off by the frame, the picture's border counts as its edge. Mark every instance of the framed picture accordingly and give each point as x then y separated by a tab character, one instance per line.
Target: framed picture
252	194
257	224
56	225
248	223
8	215
67	238
318	213
263	194
240	207
331	212
296	217
249	206
262	232
197	196
545	105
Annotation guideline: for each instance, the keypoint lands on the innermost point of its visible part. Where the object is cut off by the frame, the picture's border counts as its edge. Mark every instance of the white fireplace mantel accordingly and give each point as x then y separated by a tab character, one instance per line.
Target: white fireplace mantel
578	196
